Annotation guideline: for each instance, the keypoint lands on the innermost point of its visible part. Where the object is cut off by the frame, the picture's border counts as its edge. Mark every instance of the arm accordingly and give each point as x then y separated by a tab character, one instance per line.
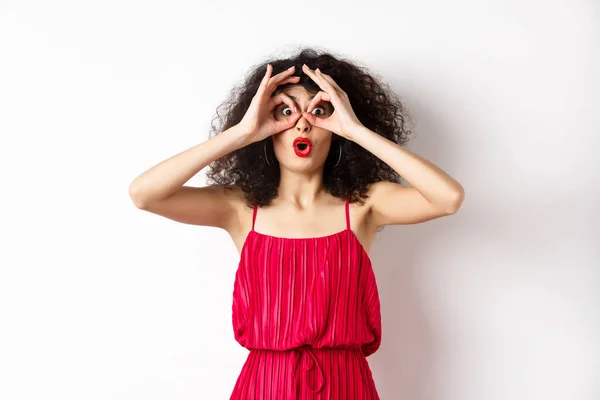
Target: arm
160	189
433	193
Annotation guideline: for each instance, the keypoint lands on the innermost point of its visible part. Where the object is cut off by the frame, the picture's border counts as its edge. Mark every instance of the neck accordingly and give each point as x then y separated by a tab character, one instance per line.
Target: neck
301	188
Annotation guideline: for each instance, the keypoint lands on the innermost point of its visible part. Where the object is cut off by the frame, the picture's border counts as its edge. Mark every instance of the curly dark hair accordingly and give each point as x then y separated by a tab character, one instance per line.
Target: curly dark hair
373	102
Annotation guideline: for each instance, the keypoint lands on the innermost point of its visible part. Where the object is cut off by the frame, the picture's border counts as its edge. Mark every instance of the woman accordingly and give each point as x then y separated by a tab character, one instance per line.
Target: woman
314	142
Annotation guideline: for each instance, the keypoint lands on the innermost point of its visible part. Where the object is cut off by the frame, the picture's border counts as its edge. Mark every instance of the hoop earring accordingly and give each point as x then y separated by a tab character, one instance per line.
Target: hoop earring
266	158
340	157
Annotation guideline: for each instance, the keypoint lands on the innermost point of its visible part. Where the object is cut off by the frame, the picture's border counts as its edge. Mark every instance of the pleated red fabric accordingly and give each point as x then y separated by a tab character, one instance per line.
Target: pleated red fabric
308	310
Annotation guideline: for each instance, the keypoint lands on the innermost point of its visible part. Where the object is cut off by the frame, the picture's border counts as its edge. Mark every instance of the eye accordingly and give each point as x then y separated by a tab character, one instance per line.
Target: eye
283	110
320	108
287	111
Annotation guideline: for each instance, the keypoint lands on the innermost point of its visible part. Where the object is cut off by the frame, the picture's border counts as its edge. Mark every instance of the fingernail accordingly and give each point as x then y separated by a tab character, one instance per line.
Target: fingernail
292	67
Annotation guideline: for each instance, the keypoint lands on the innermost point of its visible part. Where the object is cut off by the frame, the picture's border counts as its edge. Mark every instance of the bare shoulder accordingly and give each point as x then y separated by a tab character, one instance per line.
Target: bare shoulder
238	208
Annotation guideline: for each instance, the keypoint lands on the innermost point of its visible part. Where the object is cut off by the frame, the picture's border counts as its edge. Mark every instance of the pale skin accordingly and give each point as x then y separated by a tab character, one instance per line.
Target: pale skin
303	208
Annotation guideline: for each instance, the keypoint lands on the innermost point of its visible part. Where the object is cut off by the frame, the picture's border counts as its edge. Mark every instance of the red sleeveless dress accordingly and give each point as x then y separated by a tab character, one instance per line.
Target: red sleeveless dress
308	311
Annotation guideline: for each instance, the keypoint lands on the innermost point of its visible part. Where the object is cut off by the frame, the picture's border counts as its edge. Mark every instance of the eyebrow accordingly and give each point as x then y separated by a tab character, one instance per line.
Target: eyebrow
296	100
329	106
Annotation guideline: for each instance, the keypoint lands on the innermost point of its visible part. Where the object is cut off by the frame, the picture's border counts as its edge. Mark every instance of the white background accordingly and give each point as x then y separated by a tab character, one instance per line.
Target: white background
99	300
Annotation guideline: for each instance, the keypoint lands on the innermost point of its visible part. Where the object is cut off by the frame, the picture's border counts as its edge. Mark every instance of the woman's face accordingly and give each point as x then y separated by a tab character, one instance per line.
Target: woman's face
296	157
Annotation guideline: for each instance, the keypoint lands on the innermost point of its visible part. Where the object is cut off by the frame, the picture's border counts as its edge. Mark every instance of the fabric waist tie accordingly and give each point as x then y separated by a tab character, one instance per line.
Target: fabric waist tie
306	354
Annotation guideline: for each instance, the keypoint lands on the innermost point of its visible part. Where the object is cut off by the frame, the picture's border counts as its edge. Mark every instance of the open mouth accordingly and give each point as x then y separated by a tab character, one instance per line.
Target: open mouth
302	146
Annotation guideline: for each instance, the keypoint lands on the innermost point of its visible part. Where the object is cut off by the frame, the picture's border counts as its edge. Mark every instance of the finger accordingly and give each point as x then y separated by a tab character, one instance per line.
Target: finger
282	98
265	79
291	79
321	96
274	81
317	79
330	87
324	85
331	81
316	121
287	123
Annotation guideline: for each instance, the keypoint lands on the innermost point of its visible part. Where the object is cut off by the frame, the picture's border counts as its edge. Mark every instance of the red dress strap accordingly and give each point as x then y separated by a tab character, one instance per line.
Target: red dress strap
347	215
254	215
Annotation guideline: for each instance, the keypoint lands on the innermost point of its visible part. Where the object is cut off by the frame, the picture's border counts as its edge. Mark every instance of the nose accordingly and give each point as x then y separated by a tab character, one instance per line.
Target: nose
302	126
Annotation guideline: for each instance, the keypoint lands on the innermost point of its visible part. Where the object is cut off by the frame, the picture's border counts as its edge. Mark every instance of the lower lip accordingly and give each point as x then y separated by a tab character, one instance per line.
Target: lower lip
303	153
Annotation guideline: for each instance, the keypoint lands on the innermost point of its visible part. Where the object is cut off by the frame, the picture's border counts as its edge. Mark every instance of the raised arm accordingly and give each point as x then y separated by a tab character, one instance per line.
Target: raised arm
160	189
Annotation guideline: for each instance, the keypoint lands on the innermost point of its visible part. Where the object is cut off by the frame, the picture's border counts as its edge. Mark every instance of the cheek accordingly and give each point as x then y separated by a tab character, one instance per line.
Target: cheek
279	142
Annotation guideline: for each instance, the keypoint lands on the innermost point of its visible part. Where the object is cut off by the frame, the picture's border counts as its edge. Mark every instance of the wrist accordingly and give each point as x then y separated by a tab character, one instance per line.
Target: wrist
241	136
358	132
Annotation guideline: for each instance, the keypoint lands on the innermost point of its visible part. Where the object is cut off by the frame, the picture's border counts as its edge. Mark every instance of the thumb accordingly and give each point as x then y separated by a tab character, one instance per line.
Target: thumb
316	121
287	123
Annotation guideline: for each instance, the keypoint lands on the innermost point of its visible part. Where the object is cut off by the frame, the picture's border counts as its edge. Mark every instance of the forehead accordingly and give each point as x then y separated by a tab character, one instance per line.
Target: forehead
297	93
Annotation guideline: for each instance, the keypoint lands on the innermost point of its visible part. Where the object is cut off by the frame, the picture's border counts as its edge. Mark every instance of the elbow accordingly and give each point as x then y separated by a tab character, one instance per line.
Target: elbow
455	201
136	197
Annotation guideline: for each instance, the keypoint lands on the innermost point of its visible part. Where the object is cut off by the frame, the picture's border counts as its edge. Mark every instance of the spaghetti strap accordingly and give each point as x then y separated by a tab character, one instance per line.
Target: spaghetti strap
297	348
254	215
347	215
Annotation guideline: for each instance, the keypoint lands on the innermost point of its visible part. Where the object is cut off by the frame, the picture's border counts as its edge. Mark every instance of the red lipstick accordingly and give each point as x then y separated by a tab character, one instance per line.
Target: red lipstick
302	146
